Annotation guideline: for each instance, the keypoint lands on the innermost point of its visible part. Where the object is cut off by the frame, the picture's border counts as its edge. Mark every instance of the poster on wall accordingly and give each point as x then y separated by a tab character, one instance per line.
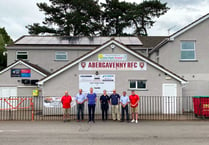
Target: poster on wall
97	82
55	102
113	66
20	72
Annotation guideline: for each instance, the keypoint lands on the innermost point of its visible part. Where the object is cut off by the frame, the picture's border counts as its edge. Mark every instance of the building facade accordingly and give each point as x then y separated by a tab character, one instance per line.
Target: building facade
152	66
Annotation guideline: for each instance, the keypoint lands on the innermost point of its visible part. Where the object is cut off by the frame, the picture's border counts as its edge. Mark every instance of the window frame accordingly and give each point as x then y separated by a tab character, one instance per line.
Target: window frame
66	53
136	84
195	57
20	52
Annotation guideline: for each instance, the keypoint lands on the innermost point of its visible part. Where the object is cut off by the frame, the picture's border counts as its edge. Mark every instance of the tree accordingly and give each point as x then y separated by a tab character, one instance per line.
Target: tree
68	17
4	39
144	13
88	18
115	17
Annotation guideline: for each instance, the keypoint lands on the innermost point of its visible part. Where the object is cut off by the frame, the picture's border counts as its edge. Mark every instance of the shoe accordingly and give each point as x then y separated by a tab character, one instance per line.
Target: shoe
136	121
93	121
122	121
132	121
78	120
65	121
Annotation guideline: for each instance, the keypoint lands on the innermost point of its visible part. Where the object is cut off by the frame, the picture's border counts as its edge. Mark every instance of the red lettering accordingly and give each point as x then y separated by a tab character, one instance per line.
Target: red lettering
89	66
135	65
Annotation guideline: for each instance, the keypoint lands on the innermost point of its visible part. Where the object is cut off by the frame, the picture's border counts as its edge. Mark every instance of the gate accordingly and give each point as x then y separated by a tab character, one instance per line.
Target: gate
16	108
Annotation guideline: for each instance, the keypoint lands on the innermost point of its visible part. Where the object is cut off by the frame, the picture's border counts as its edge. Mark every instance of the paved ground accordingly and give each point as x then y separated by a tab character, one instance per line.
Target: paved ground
104	133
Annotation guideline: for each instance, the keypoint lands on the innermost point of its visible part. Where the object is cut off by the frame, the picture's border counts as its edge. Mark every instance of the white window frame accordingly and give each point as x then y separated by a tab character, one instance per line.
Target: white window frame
66	53
137	85
188	50
20	52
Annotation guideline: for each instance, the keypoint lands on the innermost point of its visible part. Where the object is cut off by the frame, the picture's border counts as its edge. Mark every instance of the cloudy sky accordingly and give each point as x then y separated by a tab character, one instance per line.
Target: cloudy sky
16	14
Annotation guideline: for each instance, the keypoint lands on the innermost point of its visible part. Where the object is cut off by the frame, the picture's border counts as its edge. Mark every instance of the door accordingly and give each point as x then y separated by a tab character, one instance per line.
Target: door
6	92
169	98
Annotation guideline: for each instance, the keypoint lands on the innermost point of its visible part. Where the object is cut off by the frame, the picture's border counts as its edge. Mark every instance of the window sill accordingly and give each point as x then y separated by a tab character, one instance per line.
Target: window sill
192	60
61	60
137	89
22	59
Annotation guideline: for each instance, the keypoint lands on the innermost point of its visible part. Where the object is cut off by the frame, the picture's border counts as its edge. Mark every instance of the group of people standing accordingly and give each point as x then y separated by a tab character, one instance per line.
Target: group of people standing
114	100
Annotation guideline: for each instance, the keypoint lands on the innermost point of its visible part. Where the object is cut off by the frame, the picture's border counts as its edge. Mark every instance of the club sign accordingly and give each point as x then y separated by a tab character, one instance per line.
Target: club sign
125	65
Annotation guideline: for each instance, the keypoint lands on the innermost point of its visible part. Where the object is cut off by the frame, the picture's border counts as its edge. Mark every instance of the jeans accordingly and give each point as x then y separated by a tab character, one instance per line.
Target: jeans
125	109
104	108
91	108
80	110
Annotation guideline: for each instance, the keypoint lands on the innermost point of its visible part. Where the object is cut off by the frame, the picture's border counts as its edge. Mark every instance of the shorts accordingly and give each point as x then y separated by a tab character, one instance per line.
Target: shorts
135	110
66	110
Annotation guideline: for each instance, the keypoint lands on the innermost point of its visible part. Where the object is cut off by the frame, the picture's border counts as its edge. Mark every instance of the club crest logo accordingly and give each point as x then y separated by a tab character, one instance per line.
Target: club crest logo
83	64
141	64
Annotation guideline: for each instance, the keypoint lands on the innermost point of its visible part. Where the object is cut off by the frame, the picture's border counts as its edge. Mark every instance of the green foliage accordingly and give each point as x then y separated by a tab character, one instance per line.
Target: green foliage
89	18
68	17
4	39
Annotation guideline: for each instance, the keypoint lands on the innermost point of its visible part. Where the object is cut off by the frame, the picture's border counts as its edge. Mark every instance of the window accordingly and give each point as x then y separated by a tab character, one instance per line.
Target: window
188	50
61	56
138	84
22	55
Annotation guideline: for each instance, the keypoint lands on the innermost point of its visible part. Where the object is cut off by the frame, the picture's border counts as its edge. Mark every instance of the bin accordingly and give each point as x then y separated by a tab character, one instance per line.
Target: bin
201	106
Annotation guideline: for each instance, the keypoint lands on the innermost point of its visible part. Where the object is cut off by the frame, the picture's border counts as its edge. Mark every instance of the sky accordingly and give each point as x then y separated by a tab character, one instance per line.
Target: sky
16	14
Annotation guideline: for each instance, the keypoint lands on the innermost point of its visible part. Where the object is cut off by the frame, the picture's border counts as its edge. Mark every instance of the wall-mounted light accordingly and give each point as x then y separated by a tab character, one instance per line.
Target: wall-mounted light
113	47
96	73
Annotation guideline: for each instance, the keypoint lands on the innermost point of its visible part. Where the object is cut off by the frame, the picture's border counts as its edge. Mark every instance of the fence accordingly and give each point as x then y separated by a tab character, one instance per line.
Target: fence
50	108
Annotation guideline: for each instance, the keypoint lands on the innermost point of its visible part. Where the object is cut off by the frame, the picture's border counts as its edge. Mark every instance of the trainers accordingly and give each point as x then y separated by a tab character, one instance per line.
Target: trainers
132	121
136	121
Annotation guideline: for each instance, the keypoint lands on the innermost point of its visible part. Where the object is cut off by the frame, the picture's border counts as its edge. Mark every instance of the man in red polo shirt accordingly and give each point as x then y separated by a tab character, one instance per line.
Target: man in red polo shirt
134	100
66	100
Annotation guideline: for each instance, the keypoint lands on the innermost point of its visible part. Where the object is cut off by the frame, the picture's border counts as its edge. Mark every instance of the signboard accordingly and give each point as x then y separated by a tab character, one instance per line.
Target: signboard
112	57
126	65
20	73
15	72
55	102
97	82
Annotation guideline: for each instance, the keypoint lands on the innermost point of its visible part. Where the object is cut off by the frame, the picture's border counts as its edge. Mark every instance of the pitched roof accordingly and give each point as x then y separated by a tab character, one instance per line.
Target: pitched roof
151	41
191	25
181	31
115	42
159	45
36	40
34	67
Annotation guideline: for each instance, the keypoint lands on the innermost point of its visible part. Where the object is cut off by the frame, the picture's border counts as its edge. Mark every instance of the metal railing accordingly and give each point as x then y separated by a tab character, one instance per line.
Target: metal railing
150	108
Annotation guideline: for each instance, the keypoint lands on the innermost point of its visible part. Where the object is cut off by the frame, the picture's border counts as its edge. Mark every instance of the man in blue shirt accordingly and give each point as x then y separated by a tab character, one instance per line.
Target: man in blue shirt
80	99
124	100
92	98
115	99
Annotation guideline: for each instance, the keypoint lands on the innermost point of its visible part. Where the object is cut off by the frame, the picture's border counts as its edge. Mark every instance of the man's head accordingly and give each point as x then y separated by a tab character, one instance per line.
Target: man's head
114	91
105	92
80	91
66	93
124	93
133	92
91	90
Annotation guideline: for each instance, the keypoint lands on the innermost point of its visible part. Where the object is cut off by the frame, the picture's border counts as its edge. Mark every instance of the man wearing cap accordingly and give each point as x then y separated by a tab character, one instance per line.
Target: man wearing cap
114	100
66	100
80	99
124	100
134	100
